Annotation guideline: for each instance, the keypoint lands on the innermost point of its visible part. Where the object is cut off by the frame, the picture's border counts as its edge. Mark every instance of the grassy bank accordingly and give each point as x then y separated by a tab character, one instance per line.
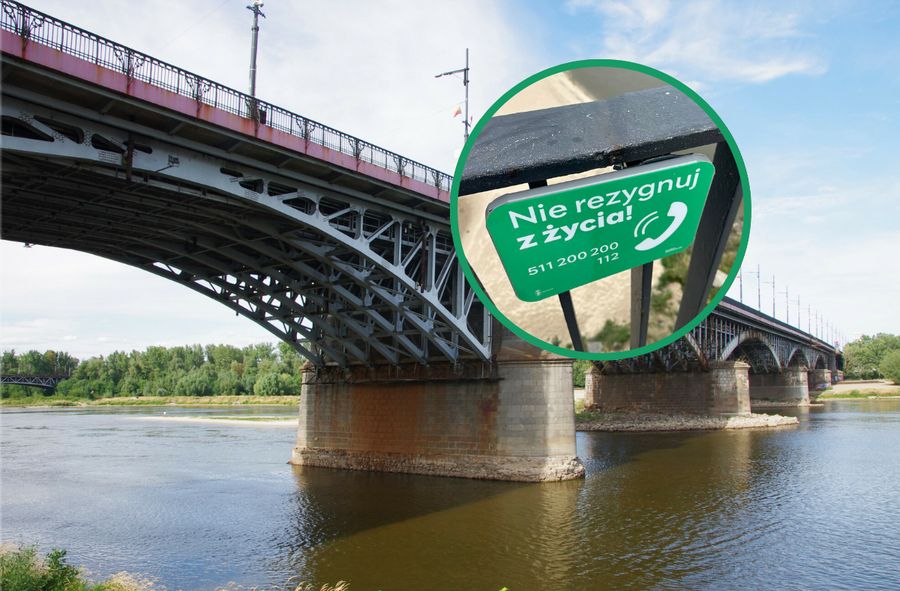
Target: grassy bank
21	569
861	393
245	400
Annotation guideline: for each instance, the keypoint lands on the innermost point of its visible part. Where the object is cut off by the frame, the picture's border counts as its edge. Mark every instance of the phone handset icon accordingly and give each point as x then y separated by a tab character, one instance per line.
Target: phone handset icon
677	211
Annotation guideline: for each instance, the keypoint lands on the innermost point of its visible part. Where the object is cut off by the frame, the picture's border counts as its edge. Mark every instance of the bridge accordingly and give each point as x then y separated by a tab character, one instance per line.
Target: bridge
737	357
333	244
45	382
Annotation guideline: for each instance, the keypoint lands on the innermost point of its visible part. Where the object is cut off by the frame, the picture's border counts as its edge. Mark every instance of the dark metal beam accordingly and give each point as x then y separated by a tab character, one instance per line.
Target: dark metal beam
548	143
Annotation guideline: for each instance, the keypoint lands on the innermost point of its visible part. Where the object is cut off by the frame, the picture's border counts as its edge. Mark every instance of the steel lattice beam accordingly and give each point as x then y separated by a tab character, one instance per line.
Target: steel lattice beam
344	277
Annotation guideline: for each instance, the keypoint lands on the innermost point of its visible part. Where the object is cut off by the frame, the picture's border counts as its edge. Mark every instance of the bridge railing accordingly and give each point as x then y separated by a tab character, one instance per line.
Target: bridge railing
35	26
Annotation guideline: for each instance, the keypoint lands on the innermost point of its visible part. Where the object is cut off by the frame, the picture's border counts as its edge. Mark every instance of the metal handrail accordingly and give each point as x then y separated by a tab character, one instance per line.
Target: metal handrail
35	26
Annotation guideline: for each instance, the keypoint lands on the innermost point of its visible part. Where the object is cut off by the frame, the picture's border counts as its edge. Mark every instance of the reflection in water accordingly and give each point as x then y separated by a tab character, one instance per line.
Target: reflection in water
198	506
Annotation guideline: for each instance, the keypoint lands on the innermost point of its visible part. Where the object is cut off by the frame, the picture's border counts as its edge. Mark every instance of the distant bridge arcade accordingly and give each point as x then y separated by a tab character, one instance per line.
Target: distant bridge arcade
733	358
45	382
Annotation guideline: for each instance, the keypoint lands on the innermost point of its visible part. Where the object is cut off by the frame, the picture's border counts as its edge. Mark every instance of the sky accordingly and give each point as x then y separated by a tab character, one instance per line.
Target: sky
810	91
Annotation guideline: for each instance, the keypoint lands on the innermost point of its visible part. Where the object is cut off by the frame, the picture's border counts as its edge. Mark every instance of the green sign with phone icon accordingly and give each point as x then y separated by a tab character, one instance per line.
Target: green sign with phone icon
555	238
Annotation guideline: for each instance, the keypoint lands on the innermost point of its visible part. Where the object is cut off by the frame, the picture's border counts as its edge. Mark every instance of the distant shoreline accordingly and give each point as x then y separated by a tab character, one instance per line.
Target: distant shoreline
237	421
49	402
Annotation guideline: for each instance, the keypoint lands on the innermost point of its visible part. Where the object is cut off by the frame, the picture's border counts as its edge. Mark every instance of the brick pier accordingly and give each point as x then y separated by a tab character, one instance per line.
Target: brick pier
509	419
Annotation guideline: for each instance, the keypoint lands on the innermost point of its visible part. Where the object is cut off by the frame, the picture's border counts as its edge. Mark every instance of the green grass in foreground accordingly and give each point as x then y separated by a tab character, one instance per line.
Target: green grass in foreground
152	401
22	570
881	393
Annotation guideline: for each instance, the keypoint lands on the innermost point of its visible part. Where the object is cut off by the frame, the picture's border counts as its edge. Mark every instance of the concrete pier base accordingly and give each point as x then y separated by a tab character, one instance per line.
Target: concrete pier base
788	386
502	420
723	390
819	379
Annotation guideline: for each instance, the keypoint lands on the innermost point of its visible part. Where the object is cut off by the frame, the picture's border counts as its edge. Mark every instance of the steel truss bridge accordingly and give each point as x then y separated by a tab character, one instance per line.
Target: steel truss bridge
46	382
333	244
735	331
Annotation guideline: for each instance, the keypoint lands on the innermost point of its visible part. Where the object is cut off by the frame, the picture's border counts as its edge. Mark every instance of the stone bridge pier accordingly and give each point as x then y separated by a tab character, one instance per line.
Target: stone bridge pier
787	386
819	378
722	389
510	418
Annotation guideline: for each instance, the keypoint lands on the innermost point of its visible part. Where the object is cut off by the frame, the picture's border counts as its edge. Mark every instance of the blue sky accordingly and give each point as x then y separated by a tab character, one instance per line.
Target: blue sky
810	91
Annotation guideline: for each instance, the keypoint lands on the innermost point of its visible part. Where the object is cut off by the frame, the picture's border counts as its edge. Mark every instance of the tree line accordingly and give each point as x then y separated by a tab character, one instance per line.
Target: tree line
873	357
262	369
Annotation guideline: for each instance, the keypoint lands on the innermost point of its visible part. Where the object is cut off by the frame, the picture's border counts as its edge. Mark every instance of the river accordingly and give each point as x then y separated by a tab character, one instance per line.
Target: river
197	506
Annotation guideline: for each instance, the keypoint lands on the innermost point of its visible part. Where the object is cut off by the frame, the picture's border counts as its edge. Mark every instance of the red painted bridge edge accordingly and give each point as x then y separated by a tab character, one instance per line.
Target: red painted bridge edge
116	81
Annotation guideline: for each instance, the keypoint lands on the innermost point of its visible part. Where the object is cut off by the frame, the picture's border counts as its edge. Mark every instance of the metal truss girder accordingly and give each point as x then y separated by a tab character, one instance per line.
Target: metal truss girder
436	305
728	334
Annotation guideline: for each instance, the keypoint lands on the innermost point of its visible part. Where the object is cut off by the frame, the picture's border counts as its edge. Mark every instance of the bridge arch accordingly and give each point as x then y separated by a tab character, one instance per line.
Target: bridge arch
341	275
753	347
797	358
820	362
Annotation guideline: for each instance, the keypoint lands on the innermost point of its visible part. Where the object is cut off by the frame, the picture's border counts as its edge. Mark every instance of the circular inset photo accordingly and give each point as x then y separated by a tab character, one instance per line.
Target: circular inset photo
601	209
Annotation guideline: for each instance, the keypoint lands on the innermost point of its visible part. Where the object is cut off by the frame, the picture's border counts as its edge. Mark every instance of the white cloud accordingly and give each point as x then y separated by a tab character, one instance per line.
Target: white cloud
705	39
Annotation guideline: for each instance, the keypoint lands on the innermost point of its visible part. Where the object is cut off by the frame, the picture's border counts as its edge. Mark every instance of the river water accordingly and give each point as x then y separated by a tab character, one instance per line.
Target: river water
200	505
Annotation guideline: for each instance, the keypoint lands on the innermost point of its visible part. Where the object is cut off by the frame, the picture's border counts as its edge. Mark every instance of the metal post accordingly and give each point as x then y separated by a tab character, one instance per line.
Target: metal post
716	221
641	282
758	290
787	306
741	285
256	9
465	73
466	85
773	294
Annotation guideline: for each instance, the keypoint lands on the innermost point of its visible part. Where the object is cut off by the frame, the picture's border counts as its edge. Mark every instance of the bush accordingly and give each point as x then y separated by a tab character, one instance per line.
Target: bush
21	570
275	384
890	366
579	368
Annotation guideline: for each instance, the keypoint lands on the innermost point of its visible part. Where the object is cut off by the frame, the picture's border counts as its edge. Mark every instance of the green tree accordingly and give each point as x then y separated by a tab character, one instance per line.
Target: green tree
274	384
579	368
862	357
890	366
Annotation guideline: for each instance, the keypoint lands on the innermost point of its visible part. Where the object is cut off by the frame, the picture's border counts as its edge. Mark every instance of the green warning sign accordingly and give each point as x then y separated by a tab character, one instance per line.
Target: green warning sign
562	236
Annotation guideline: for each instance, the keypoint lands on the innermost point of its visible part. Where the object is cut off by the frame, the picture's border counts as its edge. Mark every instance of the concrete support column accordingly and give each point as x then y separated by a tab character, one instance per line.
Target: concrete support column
788	386
592	386
819	379
729	387
506	420
723	390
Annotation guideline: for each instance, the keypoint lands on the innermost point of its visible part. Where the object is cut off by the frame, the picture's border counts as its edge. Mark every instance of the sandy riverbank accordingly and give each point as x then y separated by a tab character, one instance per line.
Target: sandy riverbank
656	422
776	404
236	421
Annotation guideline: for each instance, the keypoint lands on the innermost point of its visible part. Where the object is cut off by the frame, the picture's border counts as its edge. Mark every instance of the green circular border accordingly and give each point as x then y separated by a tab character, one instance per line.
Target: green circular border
470	274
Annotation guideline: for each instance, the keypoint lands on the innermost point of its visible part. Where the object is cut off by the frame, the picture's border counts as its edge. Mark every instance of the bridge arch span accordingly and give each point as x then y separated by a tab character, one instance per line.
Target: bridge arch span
344	276
755	348
797	358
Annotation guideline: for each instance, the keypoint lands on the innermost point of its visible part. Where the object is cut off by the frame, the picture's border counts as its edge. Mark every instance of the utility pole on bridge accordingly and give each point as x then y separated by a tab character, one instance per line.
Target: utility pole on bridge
256	9
773	294
758	289
465	73
787	306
